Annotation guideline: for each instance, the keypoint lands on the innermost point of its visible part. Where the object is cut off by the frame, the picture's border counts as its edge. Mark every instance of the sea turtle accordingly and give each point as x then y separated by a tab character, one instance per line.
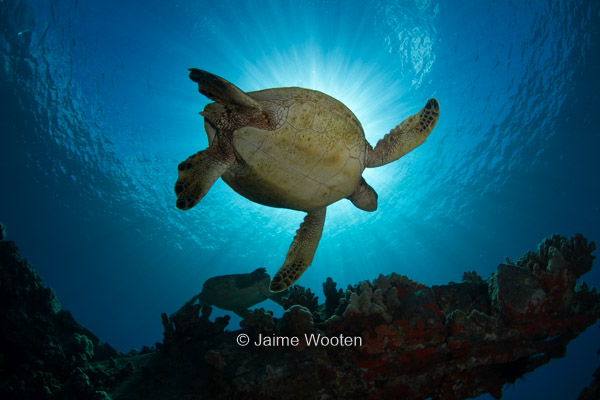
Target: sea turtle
237	292
293	148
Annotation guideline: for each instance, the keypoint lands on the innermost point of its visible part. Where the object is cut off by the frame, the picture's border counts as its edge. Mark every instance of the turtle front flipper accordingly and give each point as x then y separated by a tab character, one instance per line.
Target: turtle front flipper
411	133
198	173
220	90
301	251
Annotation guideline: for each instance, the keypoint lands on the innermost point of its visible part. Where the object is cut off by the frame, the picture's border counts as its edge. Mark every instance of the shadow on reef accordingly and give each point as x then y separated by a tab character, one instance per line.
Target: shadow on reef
237	292
389	338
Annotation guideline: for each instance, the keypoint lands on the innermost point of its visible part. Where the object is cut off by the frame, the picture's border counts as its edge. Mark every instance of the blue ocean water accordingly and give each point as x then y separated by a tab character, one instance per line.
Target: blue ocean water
97	111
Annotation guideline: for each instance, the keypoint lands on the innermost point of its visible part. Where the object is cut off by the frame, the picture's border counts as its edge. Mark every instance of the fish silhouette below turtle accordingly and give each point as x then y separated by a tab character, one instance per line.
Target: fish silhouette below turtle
292	148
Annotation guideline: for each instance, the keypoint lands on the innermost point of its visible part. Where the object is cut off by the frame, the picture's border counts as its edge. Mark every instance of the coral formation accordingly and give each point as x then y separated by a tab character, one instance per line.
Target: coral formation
471	276
378	298
44	352
592	392
386	338
297	321
191	323
301	296
258	321
332	296
445	342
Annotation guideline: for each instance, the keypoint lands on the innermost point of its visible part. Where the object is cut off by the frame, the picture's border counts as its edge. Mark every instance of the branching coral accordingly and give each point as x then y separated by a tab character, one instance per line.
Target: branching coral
301	296
332	296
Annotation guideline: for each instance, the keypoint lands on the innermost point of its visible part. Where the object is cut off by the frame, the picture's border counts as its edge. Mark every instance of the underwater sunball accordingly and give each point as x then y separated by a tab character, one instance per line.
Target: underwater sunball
291	148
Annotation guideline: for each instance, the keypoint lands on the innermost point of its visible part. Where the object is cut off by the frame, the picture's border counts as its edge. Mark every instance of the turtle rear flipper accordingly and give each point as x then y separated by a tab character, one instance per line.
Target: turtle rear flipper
198	173
364	197
411	133
220	90
301	251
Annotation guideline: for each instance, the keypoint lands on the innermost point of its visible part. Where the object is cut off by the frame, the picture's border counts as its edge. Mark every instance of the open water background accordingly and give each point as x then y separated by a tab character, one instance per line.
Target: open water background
97	111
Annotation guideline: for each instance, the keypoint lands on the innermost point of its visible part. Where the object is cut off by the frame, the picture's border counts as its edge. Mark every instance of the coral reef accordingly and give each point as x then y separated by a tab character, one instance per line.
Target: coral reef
394	337
386	338
189	324
332	296
258	321
44	352
592	392
301	296
297	321
377	299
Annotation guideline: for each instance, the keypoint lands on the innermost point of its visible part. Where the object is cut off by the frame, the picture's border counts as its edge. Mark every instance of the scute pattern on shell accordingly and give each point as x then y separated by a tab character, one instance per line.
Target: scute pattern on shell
314	156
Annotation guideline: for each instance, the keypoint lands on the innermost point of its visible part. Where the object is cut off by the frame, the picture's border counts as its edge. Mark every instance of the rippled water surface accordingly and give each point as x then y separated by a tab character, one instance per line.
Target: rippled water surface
97	111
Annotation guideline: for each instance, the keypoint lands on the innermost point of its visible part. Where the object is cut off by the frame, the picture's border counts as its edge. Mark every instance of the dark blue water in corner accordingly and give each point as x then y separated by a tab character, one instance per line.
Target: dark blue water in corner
97	111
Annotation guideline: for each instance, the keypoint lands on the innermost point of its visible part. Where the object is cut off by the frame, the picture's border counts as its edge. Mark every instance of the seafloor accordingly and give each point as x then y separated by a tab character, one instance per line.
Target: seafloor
387	338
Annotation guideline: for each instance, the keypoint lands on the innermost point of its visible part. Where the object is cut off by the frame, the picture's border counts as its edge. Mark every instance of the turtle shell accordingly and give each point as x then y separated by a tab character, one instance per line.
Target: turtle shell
314	157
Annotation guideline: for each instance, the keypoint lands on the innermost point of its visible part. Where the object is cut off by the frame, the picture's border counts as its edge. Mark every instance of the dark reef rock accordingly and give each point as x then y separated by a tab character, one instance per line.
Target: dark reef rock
191	324
592	392
258	321
389	338
44	352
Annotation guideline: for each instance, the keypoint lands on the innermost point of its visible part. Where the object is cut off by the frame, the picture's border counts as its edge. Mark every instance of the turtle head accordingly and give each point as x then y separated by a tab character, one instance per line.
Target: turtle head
232	108
220	90
215	117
